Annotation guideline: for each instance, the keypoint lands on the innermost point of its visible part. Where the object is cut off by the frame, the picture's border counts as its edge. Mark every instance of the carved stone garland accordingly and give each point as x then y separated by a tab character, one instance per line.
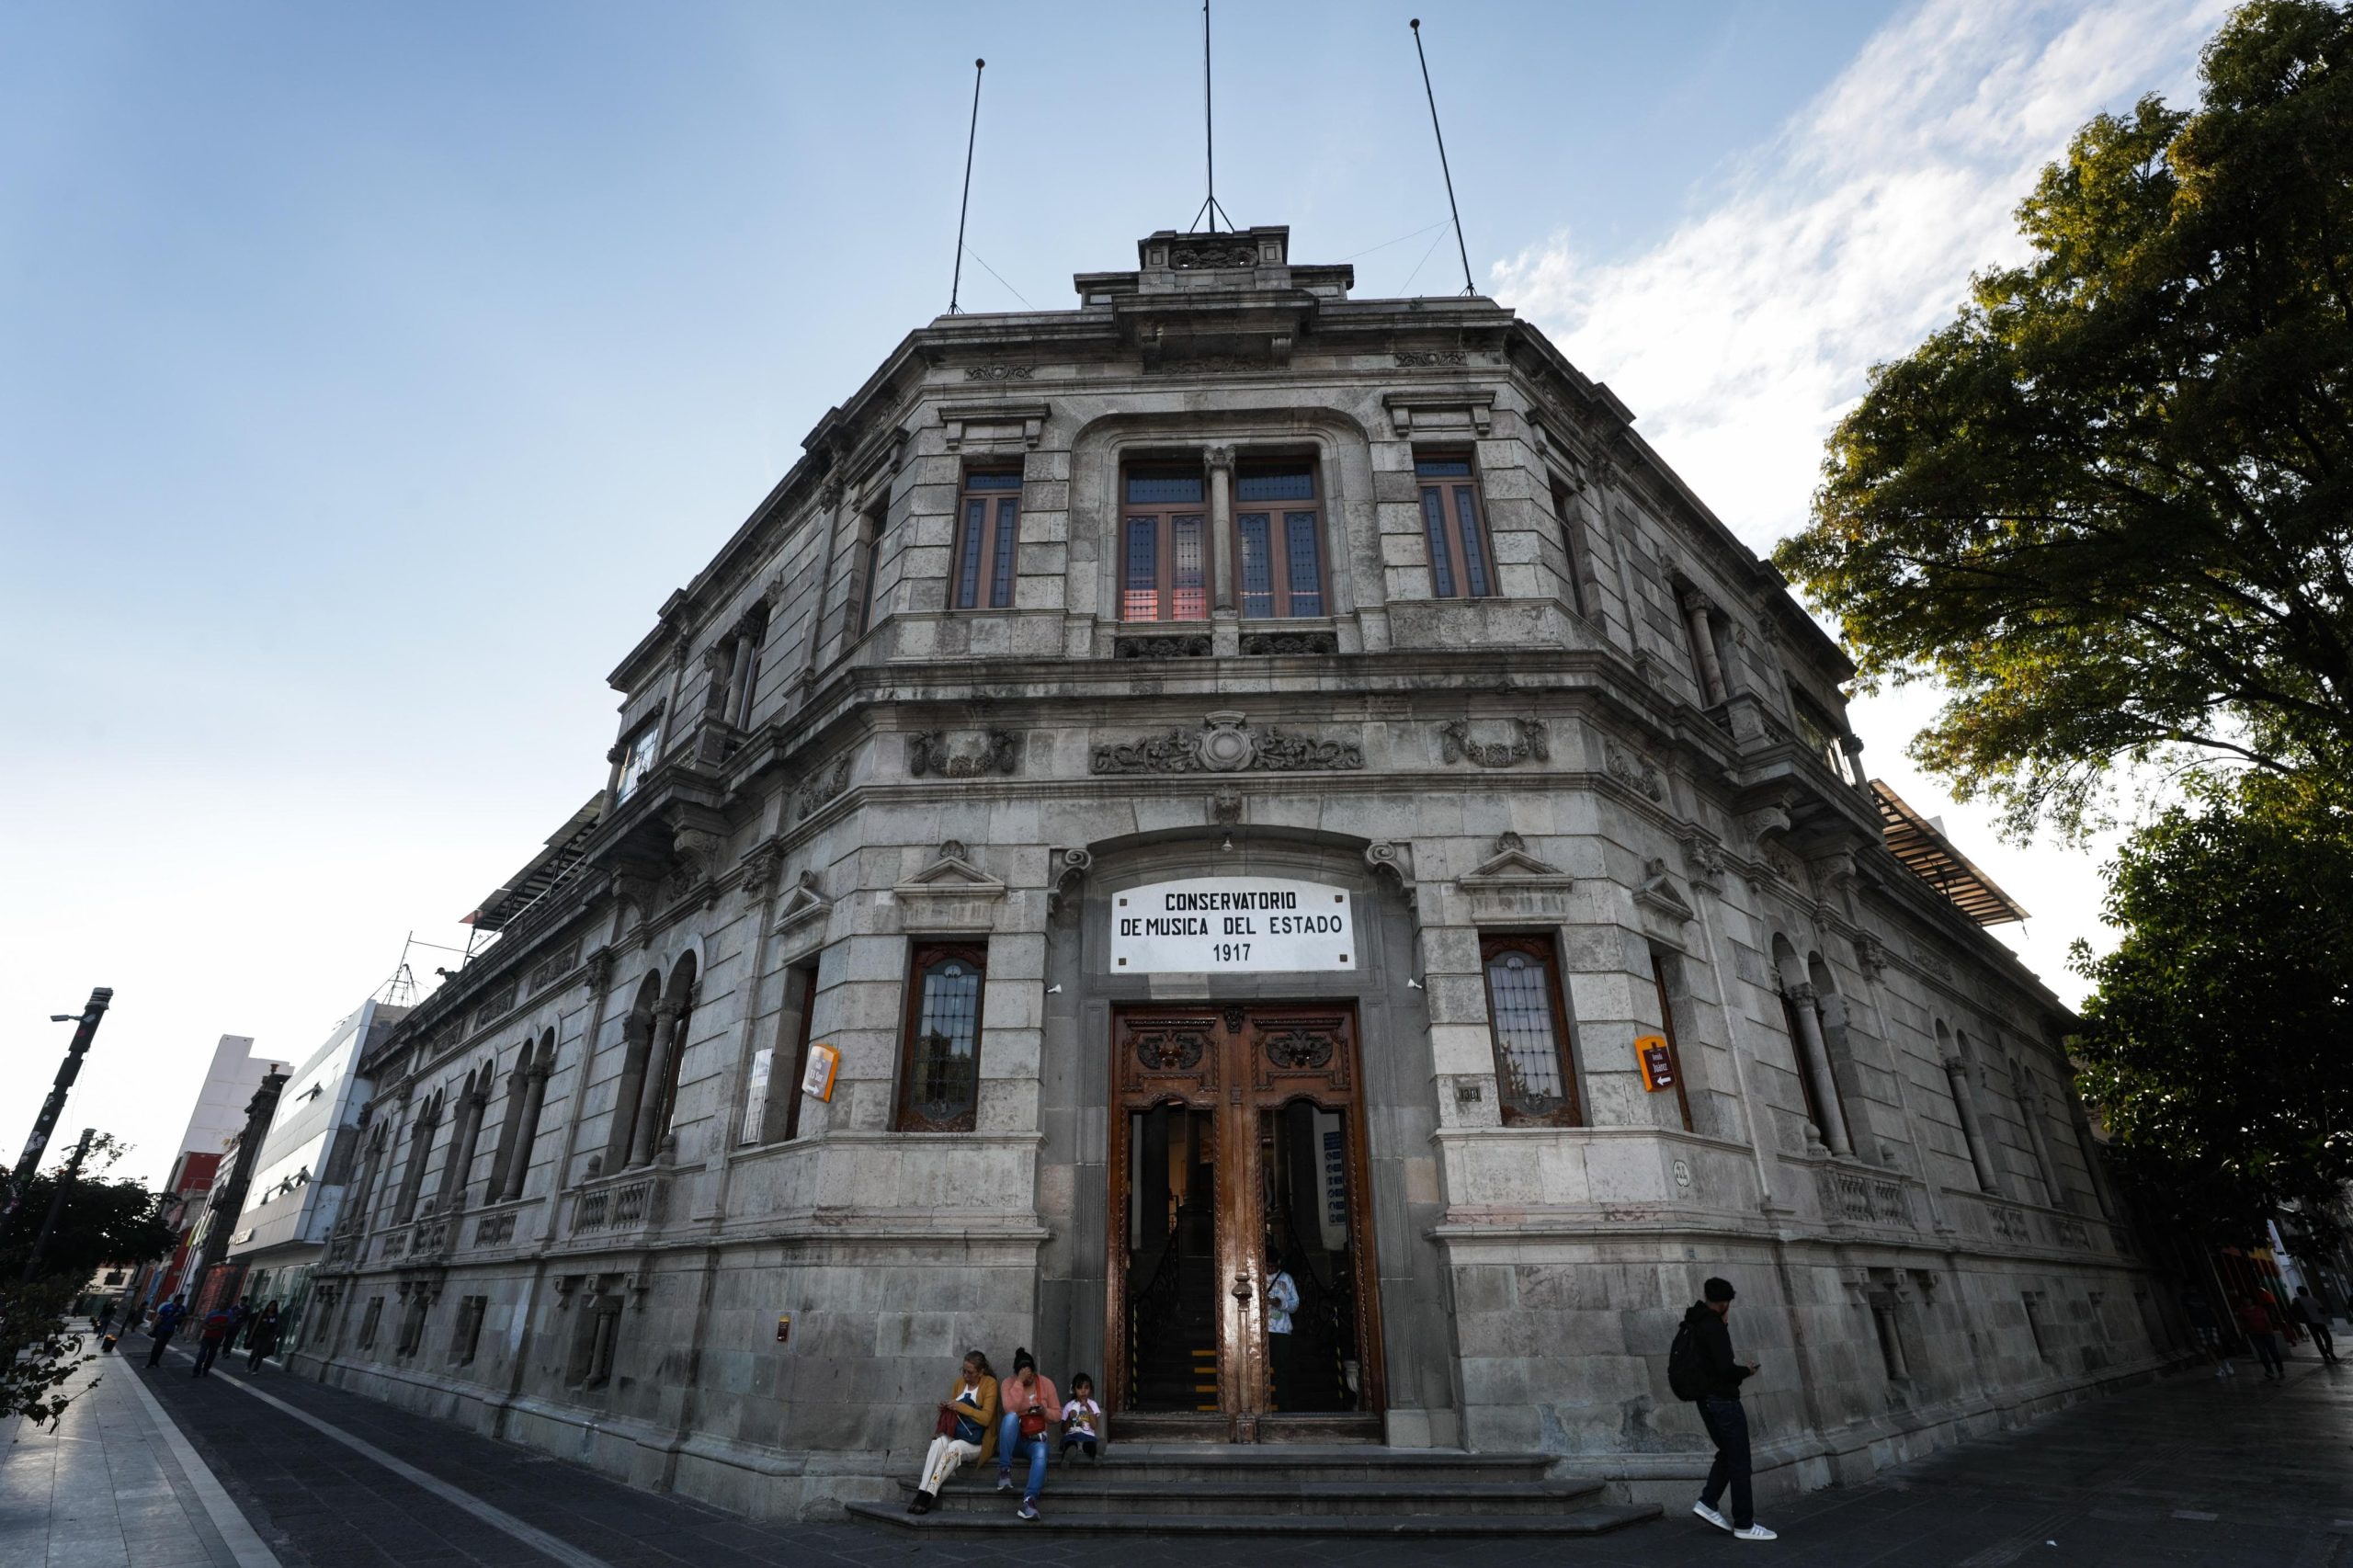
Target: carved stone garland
927	755
1456	745
1226	743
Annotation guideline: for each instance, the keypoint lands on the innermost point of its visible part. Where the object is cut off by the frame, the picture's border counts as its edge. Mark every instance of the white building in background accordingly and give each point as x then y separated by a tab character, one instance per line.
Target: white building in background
299	1177
229	1086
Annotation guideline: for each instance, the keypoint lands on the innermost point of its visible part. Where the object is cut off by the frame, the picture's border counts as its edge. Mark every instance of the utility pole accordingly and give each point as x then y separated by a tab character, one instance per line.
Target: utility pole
57	1202
85	1030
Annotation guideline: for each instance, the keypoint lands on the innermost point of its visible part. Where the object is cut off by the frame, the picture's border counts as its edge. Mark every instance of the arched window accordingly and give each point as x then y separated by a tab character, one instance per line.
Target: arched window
1529	1025
939	1079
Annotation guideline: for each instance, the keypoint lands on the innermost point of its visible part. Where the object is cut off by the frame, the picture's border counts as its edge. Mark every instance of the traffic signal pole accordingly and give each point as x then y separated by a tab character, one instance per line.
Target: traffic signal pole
85	1031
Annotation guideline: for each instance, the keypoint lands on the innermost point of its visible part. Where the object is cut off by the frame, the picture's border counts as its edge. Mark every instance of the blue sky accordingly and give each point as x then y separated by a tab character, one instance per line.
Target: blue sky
368	377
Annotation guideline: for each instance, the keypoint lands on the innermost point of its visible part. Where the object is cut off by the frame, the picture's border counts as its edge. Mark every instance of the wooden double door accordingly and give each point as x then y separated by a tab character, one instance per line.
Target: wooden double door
1237	1160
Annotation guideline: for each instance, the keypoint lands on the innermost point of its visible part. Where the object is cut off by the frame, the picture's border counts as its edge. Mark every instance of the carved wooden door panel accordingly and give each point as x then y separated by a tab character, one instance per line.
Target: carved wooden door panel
1236	1129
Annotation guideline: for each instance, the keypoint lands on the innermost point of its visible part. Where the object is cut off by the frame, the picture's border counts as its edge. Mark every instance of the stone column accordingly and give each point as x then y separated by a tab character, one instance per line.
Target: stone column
738	672
2030	1112
1817	1067
519	1160
461	1149
667	1027
1965	1106
636	1035
1217	556
1703	646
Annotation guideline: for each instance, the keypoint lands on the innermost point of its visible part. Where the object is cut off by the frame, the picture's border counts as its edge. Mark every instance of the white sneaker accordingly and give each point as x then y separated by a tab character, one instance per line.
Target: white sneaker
1754	1533
1712	1516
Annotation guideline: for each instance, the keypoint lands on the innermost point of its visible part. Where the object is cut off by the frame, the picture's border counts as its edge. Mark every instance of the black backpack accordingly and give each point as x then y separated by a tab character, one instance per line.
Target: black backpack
1685	1375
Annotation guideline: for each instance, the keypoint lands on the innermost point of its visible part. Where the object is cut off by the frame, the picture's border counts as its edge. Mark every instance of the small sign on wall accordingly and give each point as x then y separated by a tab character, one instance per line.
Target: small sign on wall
1658	1062
783	1327
817	1082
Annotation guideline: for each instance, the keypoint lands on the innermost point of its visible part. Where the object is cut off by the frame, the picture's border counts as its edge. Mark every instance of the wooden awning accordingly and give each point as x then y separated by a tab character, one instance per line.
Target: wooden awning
1929	855
546	869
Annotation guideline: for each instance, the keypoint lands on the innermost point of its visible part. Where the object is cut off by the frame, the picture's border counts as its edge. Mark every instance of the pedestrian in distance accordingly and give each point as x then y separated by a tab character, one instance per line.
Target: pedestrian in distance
167	1323
2314	1317
210	1338
967	1430
261	1339
1701	1369
1026	1429
2206	1331
239	1315
2262	1333
104	1316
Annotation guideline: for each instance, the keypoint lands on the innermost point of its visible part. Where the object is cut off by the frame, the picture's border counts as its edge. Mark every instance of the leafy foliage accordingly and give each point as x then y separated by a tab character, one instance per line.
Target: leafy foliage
2214	1045
2111	505
104	1220
32	1381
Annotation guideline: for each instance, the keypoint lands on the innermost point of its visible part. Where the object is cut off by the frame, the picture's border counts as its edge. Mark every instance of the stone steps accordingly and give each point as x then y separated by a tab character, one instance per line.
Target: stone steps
1336	1489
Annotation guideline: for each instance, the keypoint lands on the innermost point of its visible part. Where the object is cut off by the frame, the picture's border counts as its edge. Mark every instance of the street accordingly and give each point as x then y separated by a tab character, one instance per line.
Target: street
278	1471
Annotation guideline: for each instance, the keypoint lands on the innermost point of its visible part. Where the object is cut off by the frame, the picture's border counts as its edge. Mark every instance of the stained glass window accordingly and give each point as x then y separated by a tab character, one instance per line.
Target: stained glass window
1530	1030
1457	536
1165	566
986	537
940	1083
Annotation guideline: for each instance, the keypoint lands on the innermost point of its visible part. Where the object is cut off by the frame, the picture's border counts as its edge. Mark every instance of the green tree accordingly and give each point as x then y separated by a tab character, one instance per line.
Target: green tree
102	1220
2110	507
2214	1045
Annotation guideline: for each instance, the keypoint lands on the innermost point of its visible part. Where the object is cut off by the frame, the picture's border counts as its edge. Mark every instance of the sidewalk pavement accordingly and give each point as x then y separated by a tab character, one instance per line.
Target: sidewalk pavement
116	1485
2190	1471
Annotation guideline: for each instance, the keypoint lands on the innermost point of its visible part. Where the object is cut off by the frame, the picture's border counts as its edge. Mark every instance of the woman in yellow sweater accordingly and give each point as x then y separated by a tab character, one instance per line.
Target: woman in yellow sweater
967	1429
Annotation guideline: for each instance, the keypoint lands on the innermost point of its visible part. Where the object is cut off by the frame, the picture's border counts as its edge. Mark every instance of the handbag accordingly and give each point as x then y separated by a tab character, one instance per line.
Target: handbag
946	1427
1034	1424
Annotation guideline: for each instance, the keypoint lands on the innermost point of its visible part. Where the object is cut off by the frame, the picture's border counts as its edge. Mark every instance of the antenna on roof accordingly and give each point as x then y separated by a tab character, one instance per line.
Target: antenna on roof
972	135
1468	287
1210	209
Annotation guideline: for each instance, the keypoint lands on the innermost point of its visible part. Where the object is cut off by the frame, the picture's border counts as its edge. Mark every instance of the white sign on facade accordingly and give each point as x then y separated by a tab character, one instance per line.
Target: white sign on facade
1231	925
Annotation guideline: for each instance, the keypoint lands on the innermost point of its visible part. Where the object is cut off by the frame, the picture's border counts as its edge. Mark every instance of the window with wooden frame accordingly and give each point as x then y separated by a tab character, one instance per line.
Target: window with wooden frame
1164	543
1454	526
869	557
939	1071
1660	965
805	983
1529	1022
988	531
1279	539
639	753
1564	509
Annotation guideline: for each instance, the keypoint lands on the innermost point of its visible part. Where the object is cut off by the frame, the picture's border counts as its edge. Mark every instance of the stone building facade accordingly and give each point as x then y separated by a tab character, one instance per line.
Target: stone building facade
1229	778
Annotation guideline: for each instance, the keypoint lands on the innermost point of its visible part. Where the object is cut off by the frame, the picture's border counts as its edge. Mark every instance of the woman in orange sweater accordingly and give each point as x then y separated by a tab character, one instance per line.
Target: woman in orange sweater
967	1429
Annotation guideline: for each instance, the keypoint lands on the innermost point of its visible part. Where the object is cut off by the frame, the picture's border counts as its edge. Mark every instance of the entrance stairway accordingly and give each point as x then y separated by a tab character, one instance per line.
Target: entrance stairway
1286	1489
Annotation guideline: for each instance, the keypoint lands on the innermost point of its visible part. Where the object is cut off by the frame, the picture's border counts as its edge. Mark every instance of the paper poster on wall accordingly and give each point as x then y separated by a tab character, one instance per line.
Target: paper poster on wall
817	1082
1231	926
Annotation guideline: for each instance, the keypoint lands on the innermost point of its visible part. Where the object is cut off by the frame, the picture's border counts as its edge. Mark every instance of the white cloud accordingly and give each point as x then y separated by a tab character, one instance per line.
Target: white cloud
1741	337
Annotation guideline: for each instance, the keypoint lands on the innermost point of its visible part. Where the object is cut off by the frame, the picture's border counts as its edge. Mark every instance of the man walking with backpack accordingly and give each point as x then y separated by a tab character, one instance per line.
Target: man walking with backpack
167	1323
1701	1368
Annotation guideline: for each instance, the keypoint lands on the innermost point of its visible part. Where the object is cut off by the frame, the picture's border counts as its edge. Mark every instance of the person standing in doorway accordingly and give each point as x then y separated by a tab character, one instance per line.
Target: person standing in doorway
2255	1318
2314	1317
167	1323
211	1337
1720	1377
1282	1345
